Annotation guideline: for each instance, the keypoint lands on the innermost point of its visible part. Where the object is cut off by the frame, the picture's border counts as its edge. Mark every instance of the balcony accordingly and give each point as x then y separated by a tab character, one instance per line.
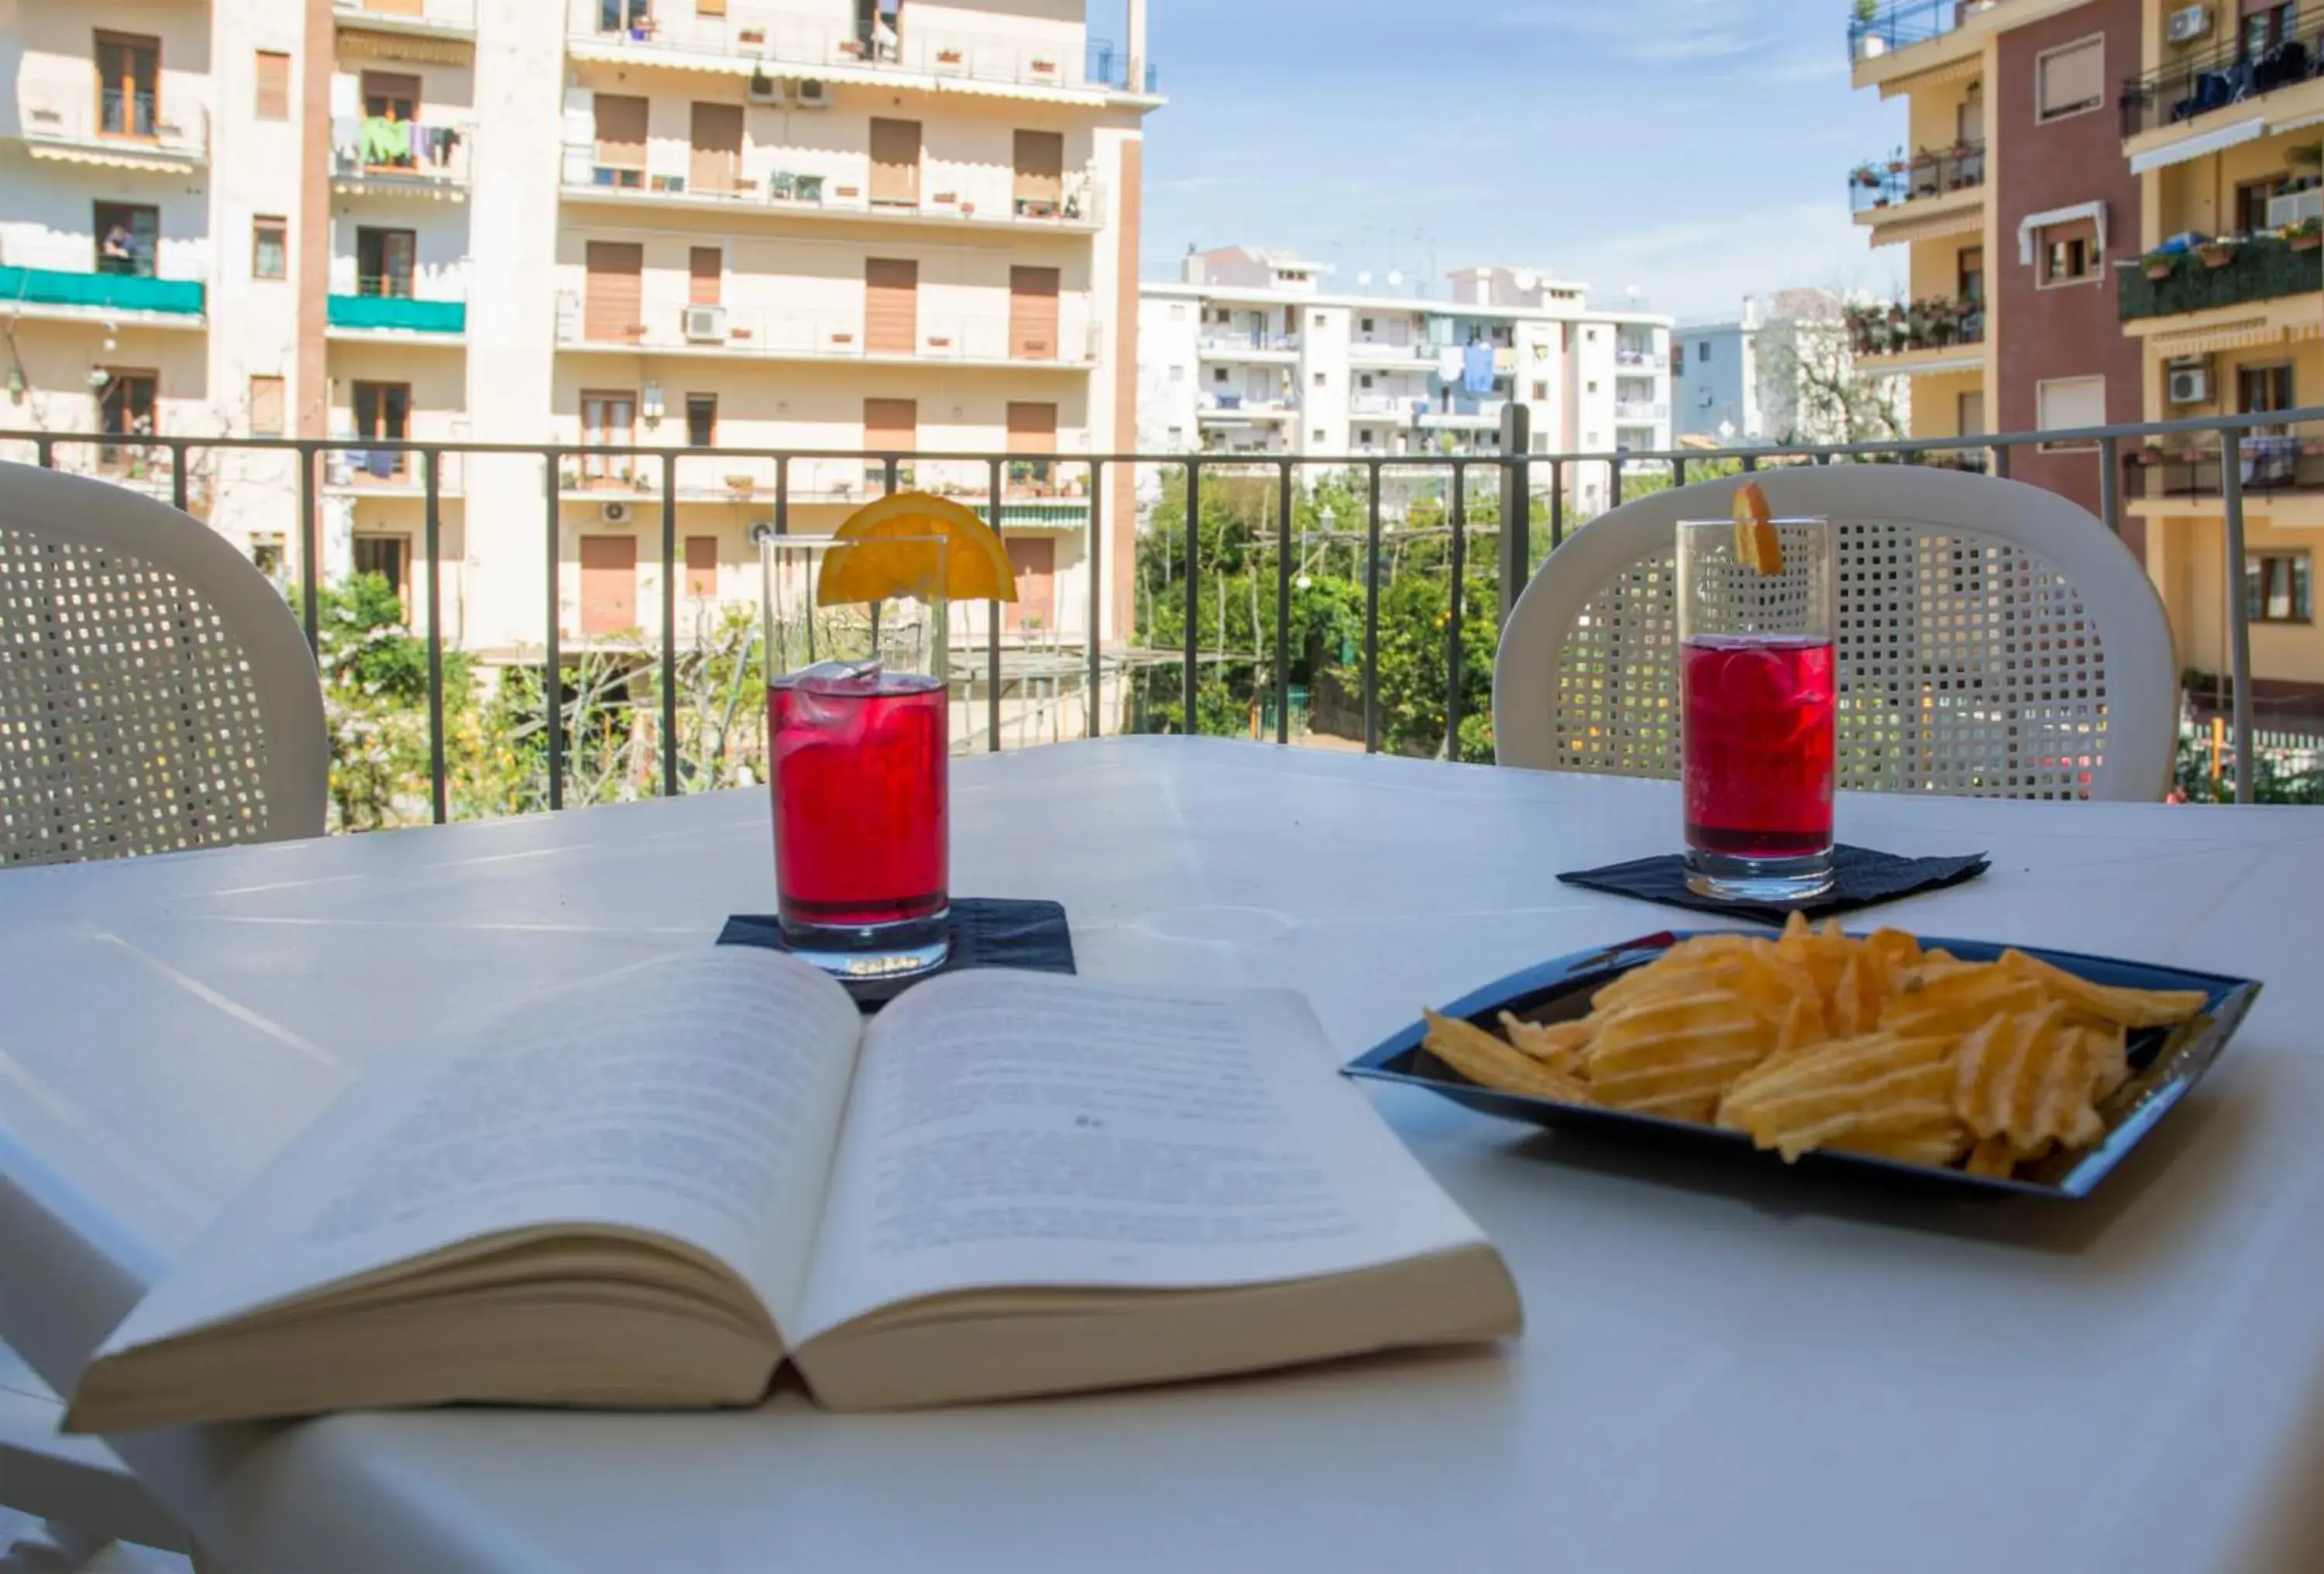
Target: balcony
1237	408
1463	414
1899	187
1938	334
1640	411
2230	273
772	188
131	131
678	327
2281	464
1907	22
1390	353
373	154
1392	406
454	19
1247	346
2225	76
360	472
1630	358
368	316
52	292
790	45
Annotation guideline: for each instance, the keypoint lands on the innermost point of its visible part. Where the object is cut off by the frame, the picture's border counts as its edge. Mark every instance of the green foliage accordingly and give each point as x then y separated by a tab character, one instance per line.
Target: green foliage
375	675
2270	785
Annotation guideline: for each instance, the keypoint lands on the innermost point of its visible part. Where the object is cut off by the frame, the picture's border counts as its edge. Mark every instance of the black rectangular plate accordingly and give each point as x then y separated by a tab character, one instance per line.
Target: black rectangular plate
2165	1061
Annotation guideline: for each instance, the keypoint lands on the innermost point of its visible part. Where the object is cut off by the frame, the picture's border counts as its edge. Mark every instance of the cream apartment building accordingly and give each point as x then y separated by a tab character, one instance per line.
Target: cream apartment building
824	224
1247	352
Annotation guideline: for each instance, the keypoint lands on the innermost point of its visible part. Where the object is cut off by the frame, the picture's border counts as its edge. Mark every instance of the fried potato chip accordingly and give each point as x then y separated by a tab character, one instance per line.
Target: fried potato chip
2130	1007
2030	1078
1993	1156
1935	1143
1556	1045
2109	1059
1900	950
1859	996
1484	1059
1880	1084
1959	1001
1674	1055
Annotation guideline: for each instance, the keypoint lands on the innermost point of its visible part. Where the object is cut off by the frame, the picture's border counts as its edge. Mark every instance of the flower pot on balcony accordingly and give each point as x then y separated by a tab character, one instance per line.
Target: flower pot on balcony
947	57
2217	253
757	35
2304	237
2159	267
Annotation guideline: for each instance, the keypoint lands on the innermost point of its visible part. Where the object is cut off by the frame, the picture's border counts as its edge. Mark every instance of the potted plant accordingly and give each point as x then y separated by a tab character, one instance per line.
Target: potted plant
948	56
1864	175
2158	266
2306	235
2217	252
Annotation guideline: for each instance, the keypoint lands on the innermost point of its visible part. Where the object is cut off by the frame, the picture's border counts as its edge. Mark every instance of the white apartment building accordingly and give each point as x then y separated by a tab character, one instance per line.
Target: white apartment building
1784	372
1247	352
894	224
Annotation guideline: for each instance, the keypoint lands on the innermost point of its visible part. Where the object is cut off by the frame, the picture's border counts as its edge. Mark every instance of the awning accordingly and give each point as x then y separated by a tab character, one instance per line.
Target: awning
396	46
2233	336
1934	227
84	154
2096	212
2196	147
1960	71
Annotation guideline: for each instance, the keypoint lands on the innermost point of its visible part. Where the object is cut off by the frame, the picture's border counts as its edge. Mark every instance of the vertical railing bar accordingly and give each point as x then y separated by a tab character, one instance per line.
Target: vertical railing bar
670	624
45	452
1614	497
783	494
310	567
1371	613
552	683
1452	622
888	463
2110	484
1678	473
1556	504
2001	460
2231	492
177	473
1194	586
1283	604
431	487
991	624
1091	726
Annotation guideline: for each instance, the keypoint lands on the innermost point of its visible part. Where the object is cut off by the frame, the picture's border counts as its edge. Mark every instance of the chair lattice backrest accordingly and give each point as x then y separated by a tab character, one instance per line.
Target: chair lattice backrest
1971	662
155	693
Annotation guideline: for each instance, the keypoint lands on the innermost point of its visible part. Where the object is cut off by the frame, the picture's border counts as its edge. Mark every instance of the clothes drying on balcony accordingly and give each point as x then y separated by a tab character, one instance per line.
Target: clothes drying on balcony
385	140
433	144
1477	369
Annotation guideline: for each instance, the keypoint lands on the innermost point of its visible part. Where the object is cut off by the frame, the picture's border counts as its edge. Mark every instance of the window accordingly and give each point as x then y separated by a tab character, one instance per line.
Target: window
128	86
265	407
1317	321
1702	350
702	566
620	127
128	237
1364	380
2070	253
390	103
1368	325
1218	374
266	555
273	86
2065	404
2265	28
1968	273
270	246
2252	198
701	420
634	17
705	268
124	408
383	259
386	556
607	419
1593	387
1540	391
1177	436
382	412
2259	388
1319	434
2070	80
1319	380
2279	588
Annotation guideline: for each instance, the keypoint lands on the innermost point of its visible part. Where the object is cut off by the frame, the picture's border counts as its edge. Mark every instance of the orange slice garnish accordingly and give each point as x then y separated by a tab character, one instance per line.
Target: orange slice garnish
883	561
1757	546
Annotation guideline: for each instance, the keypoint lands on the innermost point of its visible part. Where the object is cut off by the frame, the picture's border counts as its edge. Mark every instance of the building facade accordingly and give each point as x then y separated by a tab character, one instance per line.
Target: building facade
2113	208
819	224
1248	354
1786	373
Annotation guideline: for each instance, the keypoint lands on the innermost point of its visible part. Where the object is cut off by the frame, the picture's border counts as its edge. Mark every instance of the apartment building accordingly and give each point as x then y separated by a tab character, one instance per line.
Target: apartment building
815	224
1785	372
1247	352
2124	197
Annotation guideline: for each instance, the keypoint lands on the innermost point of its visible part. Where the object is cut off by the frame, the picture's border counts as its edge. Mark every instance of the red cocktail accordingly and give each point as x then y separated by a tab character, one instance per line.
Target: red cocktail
1758	744
859	787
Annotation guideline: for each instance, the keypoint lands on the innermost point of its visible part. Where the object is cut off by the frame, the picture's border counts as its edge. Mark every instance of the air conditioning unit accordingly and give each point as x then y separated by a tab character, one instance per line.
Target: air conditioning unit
2188	24
764	89
811	94
2190	382
613	513
2294	207
706	323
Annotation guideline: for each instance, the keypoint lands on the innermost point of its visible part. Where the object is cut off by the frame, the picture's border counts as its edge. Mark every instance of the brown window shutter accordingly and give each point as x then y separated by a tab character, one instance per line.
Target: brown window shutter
703	265
266	407
613	307
895	162
891	305
717	161
609	583
1040	169
1032	313
1032	428
273	86
621	131
891	426
702	566
710	7
393	90
1033	561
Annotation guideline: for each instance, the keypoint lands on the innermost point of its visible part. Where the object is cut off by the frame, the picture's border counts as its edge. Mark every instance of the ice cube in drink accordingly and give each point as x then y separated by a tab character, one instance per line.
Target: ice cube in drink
859	777
1757	737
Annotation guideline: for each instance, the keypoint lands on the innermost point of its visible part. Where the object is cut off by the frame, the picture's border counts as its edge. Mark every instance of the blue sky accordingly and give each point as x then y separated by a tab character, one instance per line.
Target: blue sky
1694	149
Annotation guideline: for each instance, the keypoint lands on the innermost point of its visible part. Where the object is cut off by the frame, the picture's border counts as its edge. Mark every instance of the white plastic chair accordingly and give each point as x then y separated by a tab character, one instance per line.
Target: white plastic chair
1996	640
155	694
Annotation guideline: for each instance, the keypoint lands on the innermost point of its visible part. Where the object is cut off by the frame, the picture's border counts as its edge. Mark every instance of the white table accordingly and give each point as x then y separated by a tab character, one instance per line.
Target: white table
1722	1368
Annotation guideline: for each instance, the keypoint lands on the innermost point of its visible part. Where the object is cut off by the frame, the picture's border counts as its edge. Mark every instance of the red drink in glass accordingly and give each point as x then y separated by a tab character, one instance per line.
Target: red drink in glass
1758	744
859	775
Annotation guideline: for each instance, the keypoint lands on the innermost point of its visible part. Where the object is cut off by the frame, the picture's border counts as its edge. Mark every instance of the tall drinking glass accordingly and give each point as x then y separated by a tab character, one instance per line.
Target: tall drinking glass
857	712
1758	684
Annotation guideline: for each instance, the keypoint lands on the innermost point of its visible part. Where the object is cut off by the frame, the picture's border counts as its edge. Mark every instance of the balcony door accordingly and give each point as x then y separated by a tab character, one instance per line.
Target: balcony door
612	305
608	419
383	262
891	426
2261	389
631	16
609	584
128	86
128	237
717	155
891	305
620	126
895	163
1033	314
124	408
1033	560
382	412
1032	438
1040	173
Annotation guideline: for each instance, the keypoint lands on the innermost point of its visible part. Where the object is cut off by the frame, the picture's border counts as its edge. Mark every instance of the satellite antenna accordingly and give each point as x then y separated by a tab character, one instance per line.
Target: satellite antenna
1395	280
1364	280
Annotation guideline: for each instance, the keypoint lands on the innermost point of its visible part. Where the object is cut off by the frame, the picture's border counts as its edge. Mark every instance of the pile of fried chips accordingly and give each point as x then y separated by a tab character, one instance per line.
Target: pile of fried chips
1821	1039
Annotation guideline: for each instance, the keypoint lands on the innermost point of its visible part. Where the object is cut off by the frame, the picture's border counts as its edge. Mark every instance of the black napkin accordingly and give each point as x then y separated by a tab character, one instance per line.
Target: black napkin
1862	879
986	931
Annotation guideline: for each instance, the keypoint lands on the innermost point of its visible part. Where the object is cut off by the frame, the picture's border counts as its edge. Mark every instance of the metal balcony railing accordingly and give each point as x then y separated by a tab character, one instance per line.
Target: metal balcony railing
185	462
1933	172
2280	459
1906	22
1225	343
1936	323
770	176
372	150
112	124
2257	56
1631	358
674	323
450	16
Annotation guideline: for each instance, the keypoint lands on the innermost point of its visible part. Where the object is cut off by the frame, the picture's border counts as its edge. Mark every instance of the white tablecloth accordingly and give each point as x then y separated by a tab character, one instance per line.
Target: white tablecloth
1724	1368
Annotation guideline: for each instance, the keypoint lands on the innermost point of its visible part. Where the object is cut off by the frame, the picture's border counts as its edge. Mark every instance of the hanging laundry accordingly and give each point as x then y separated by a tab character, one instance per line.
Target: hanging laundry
1477	369
447	138
381	462
385	140
346	139
1449	364
1505	361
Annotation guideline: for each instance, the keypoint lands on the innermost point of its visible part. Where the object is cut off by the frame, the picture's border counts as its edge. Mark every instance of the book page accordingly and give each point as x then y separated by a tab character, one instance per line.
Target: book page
697	1097
1022	1129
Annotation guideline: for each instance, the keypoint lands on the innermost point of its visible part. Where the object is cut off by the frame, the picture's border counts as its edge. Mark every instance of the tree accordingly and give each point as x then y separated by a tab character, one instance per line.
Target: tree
1810	387
374	676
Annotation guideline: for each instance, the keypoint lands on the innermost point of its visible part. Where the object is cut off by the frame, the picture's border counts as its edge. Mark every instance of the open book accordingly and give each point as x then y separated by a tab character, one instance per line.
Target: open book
652	1189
